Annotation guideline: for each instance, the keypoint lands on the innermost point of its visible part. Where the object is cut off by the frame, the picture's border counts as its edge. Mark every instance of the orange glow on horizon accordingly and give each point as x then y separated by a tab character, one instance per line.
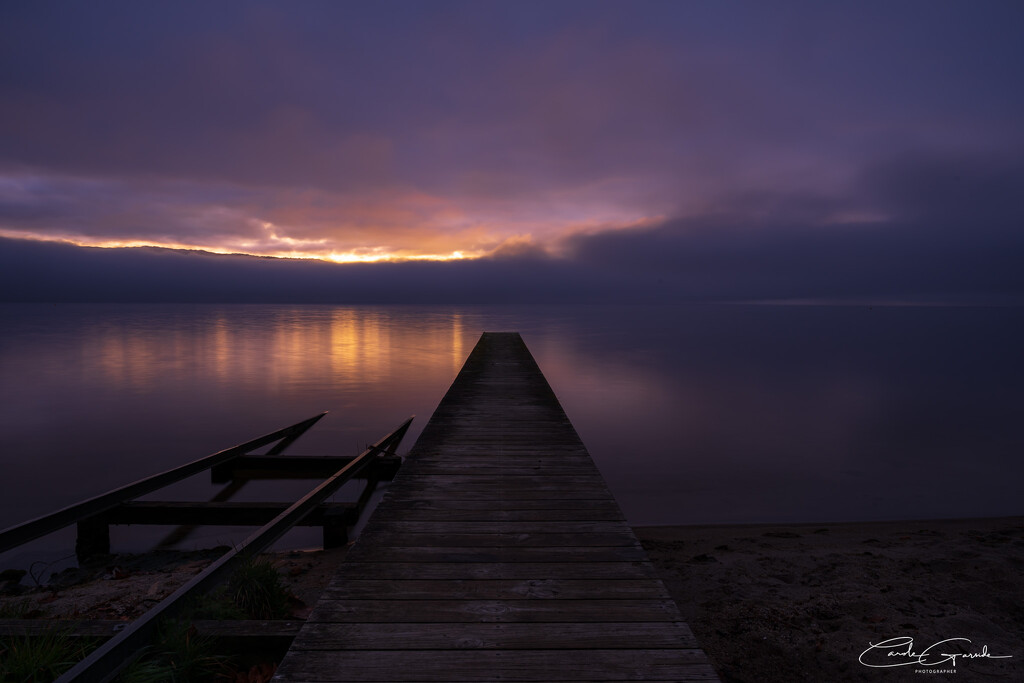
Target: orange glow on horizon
363	255
414	242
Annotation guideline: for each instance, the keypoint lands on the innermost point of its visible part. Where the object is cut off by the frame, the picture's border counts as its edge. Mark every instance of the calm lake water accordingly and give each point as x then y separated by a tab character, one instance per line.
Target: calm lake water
695	414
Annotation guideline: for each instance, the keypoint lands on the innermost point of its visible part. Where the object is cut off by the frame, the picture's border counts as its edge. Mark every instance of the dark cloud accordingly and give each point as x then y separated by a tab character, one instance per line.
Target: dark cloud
126	209
445	95
962	193
774	248
942	230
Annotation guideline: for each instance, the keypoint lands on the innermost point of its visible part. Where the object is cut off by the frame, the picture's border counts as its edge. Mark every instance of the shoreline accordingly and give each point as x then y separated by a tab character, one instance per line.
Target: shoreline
769	603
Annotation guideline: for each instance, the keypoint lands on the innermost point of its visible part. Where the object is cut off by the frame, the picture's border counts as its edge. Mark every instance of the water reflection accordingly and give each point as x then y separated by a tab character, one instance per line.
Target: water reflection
694	414
128	390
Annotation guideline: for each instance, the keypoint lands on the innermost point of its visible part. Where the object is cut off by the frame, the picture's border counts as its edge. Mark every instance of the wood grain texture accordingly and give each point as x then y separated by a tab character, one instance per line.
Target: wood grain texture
453	538
529	610
476	527
498	665
580	554
496	589
410	507
399	571
497	554
496	636
504	515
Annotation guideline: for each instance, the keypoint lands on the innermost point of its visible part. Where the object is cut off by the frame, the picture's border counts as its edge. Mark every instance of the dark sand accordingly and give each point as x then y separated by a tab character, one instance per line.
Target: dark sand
801	603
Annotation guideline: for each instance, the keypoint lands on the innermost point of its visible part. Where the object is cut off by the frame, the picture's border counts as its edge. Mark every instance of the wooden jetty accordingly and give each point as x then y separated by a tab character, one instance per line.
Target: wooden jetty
498	553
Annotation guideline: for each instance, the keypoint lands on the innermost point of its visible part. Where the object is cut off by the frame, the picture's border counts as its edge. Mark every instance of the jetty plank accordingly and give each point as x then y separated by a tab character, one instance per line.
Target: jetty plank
484	504
505	665
506	515
461	610
490	636
474	527
495	540
399	571
495	589
495	554
498	553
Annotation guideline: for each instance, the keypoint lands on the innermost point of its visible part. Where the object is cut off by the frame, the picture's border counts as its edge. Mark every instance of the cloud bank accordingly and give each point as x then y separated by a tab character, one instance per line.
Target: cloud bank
944	231
577	150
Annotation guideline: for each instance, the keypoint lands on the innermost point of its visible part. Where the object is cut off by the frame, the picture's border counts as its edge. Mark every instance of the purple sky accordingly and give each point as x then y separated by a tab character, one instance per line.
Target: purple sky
718	149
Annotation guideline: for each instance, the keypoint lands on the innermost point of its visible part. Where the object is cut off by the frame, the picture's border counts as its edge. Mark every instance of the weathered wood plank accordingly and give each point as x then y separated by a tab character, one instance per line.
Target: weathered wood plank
484	503
475	527
351	569
502	665
555	482
547	454
520	515
497	589
580	554
449	535
511	489
472	481
527	610
382	537
481	470
498	465
499	495
494	636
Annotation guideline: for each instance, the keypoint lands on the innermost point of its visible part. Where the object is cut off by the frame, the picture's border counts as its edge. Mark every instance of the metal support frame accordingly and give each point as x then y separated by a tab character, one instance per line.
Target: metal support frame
27	531
105	662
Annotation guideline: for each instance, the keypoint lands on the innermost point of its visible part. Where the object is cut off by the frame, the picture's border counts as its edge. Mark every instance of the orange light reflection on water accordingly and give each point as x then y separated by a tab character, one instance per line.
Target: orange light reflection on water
281	349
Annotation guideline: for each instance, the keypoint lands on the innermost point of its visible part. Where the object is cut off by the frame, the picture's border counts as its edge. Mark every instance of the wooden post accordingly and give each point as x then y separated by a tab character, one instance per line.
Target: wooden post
335	530
93	538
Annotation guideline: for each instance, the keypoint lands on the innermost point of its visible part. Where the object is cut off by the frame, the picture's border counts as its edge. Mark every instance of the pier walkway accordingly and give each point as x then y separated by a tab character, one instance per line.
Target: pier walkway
498	554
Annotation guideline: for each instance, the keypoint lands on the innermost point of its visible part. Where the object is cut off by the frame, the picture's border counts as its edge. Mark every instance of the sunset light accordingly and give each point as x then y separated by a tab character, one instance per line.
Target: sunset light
365	255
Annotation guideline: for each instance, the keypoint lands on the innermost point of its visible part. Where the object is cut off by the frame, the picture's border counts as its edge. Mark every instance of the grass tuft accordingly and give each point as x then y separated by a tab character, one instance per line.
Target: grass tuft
256	589
40	658
180	655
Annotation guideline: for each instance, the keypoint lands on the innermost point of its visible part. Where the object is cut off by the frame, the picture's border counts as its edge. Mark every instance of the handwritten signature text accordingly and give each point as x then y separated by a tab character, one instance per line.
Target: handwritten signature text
900	651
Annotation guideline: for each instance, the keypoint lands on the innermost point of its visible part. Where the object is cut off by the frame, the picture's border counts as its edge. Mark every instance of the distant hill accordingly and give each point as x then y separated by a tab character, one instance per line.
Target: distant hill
32	271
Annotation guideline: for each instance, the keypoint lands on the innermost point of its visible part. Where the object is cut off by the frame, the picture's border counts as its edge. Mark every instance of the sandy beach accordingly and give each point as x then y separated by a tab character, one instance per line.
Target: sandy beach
769	604
803	602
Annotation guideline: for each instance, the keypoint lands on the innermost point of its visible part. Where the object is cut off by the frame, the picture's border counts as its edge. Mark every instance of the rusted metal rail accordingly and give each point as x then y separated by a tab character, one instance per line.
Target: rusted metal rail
236	464
110	658
32	529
